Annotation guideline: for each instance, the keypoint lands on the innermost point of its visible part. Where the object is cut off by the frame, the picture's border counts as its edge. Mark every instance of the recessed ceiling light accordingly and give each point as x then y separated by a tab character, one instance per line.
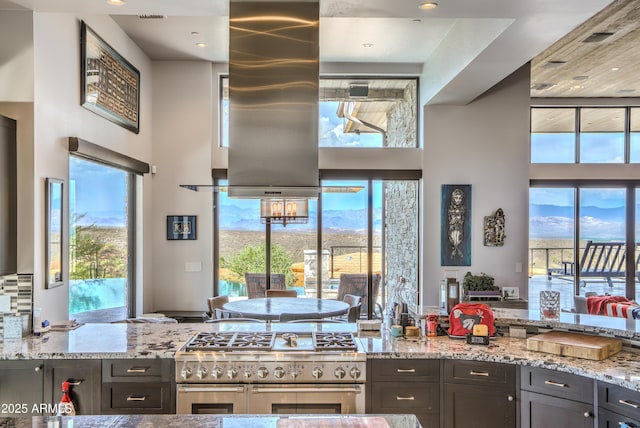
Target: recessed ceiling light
416	20
115	2
201	45
367	45
427	5
615	68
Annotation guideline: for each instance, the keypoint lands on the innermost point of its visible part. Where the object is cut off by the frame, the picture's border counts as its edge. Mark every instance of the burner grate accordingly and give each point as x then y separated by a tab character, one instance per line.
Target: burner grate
210	341
254	341
334	342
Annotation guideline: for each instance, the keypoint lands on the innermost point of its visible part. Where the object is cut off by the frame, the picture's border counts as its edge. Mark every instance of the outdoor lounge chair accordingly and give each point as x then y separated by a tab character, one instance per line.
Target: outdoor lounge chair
257	283
356	284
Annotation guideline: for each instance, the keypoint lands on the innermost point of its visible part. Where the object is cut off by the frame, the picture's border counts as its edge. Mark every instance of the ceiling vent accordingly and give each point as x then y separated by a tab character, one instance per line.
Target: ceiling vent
152	16
597	37
542	86
552	64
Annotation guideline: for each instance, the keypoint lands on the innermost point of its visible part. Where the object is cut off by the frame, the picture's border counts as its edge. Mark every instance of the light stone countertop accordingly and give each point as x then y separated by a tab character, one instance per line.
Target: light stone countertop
107	341
213	421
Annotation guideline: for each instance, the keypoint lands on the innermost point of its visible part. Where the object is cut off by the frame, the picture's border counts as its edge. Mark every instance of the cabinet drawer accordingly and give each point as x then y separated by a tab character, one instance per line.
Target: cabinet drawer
405	370
390	397
479	373
607	419
618	399
128	397
551	382
134	370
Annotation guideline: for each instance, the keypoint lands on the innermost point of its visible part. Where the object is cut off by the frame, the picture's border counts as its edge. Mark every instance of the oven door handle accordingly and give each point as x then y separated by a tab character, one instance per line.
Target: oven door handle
210	389
257	390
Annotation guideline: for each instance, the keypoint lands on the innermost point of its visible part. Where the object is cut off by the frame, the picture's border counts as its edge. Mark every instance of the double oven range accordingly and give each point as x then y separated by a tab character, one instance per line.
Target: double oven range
271	372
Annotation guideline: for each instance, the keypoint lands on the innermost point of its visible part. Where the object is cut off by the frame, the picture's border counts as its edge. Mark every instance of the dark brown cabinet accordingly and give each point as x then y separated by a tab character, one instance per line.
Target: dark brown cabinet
8	197
137	386
479	394
617	406
551	398
405	386
84	377
21	388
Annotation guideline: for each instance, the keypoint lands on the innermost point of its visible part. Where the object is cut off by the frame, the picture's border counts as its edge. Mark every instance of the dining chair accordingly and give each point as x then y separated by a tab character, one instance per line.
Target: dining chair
215	306
281	293
257	283
355	306
356	285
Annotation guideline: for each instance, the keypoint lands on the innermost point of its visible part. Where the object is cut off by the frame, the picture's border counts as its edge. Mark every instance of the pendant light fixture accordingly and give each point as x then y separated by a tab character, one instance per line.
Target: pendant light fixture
284	211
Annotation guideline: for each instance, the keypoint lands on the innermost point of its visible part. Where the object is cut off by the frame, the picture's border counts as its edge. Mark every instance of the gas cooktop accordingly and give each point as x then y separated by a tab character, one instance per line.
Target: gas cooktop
271	341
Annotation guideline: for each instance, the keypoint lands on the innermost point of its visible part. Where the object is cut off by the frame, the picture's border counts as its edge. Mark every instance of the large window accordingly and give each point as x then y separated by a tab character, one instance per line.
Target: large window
578	240
100	241
368	227
372	112
583	135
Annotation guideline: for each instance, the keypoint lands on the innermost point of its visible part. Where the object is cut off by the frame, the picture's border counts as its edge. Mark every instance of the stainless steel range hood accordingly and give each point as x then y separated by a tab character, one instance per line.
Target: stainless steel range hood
273	99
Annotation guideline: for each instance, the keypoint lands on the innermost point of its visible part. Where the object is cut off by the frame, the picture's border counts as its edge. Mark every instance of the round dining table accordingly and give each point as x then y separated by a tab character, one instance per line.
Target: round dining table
270	308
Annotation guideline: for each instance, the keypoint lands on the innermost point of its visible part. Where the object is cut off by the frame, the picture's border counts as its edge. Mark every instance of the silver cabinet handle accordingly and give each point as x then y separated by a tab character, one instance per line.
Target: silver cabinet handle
136	398
238	389
559	385
509	397
406	370
475	373
75	382
137	370
411	398
260	390
628	403
587	414
37	369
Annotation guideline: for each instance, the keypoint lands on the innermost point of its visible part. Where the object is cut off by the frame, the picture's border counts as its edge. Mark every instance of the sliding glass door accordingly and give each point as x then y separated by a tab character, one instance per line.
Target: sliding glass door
100	241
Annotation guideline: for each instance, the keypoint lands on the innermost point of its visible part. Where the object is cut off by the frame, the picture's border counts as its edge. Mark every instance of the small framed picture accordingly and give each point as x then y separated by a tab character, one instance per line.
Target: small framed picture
510	293
181	227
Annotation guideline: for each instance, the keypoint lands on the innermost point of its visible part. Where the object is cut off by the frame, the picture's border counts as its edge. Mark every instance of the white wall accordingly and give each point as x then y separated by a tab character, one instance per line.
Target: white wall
485	144
184	95
59	115
16	57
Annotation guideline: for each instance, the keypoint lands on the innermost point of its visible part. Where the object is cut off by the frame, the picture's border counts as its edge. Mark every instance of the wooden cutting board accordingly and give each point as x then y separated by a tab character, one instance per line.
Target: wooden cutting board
575	345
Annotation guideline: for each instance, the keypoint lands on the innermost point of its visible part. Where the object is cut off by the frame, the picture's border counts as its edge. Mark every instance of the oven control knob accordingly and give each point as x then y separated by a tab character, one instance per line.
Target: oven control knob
247	374
340	373
354	373
202	372
263	372
216	373
316	373
232	373
278	372
186	372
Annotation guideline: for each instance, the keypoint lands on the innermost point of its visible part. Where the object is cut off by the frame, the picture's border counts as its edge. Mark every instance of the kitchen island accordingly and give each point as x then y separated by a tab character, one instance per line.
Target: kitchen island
212	421
153	341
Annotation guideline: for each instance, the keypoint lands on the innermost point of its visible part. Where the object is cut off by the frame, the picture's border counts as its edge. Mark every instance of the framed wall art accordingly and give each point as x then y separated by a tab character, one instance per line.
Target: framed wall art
54	228
455	233
181	227
110	85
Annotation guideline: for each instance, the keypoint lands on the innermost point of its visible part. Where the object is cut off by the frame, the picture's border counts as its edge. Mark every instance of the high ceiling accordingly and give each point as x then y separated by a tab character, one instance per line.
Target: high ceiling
600	58
459	50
